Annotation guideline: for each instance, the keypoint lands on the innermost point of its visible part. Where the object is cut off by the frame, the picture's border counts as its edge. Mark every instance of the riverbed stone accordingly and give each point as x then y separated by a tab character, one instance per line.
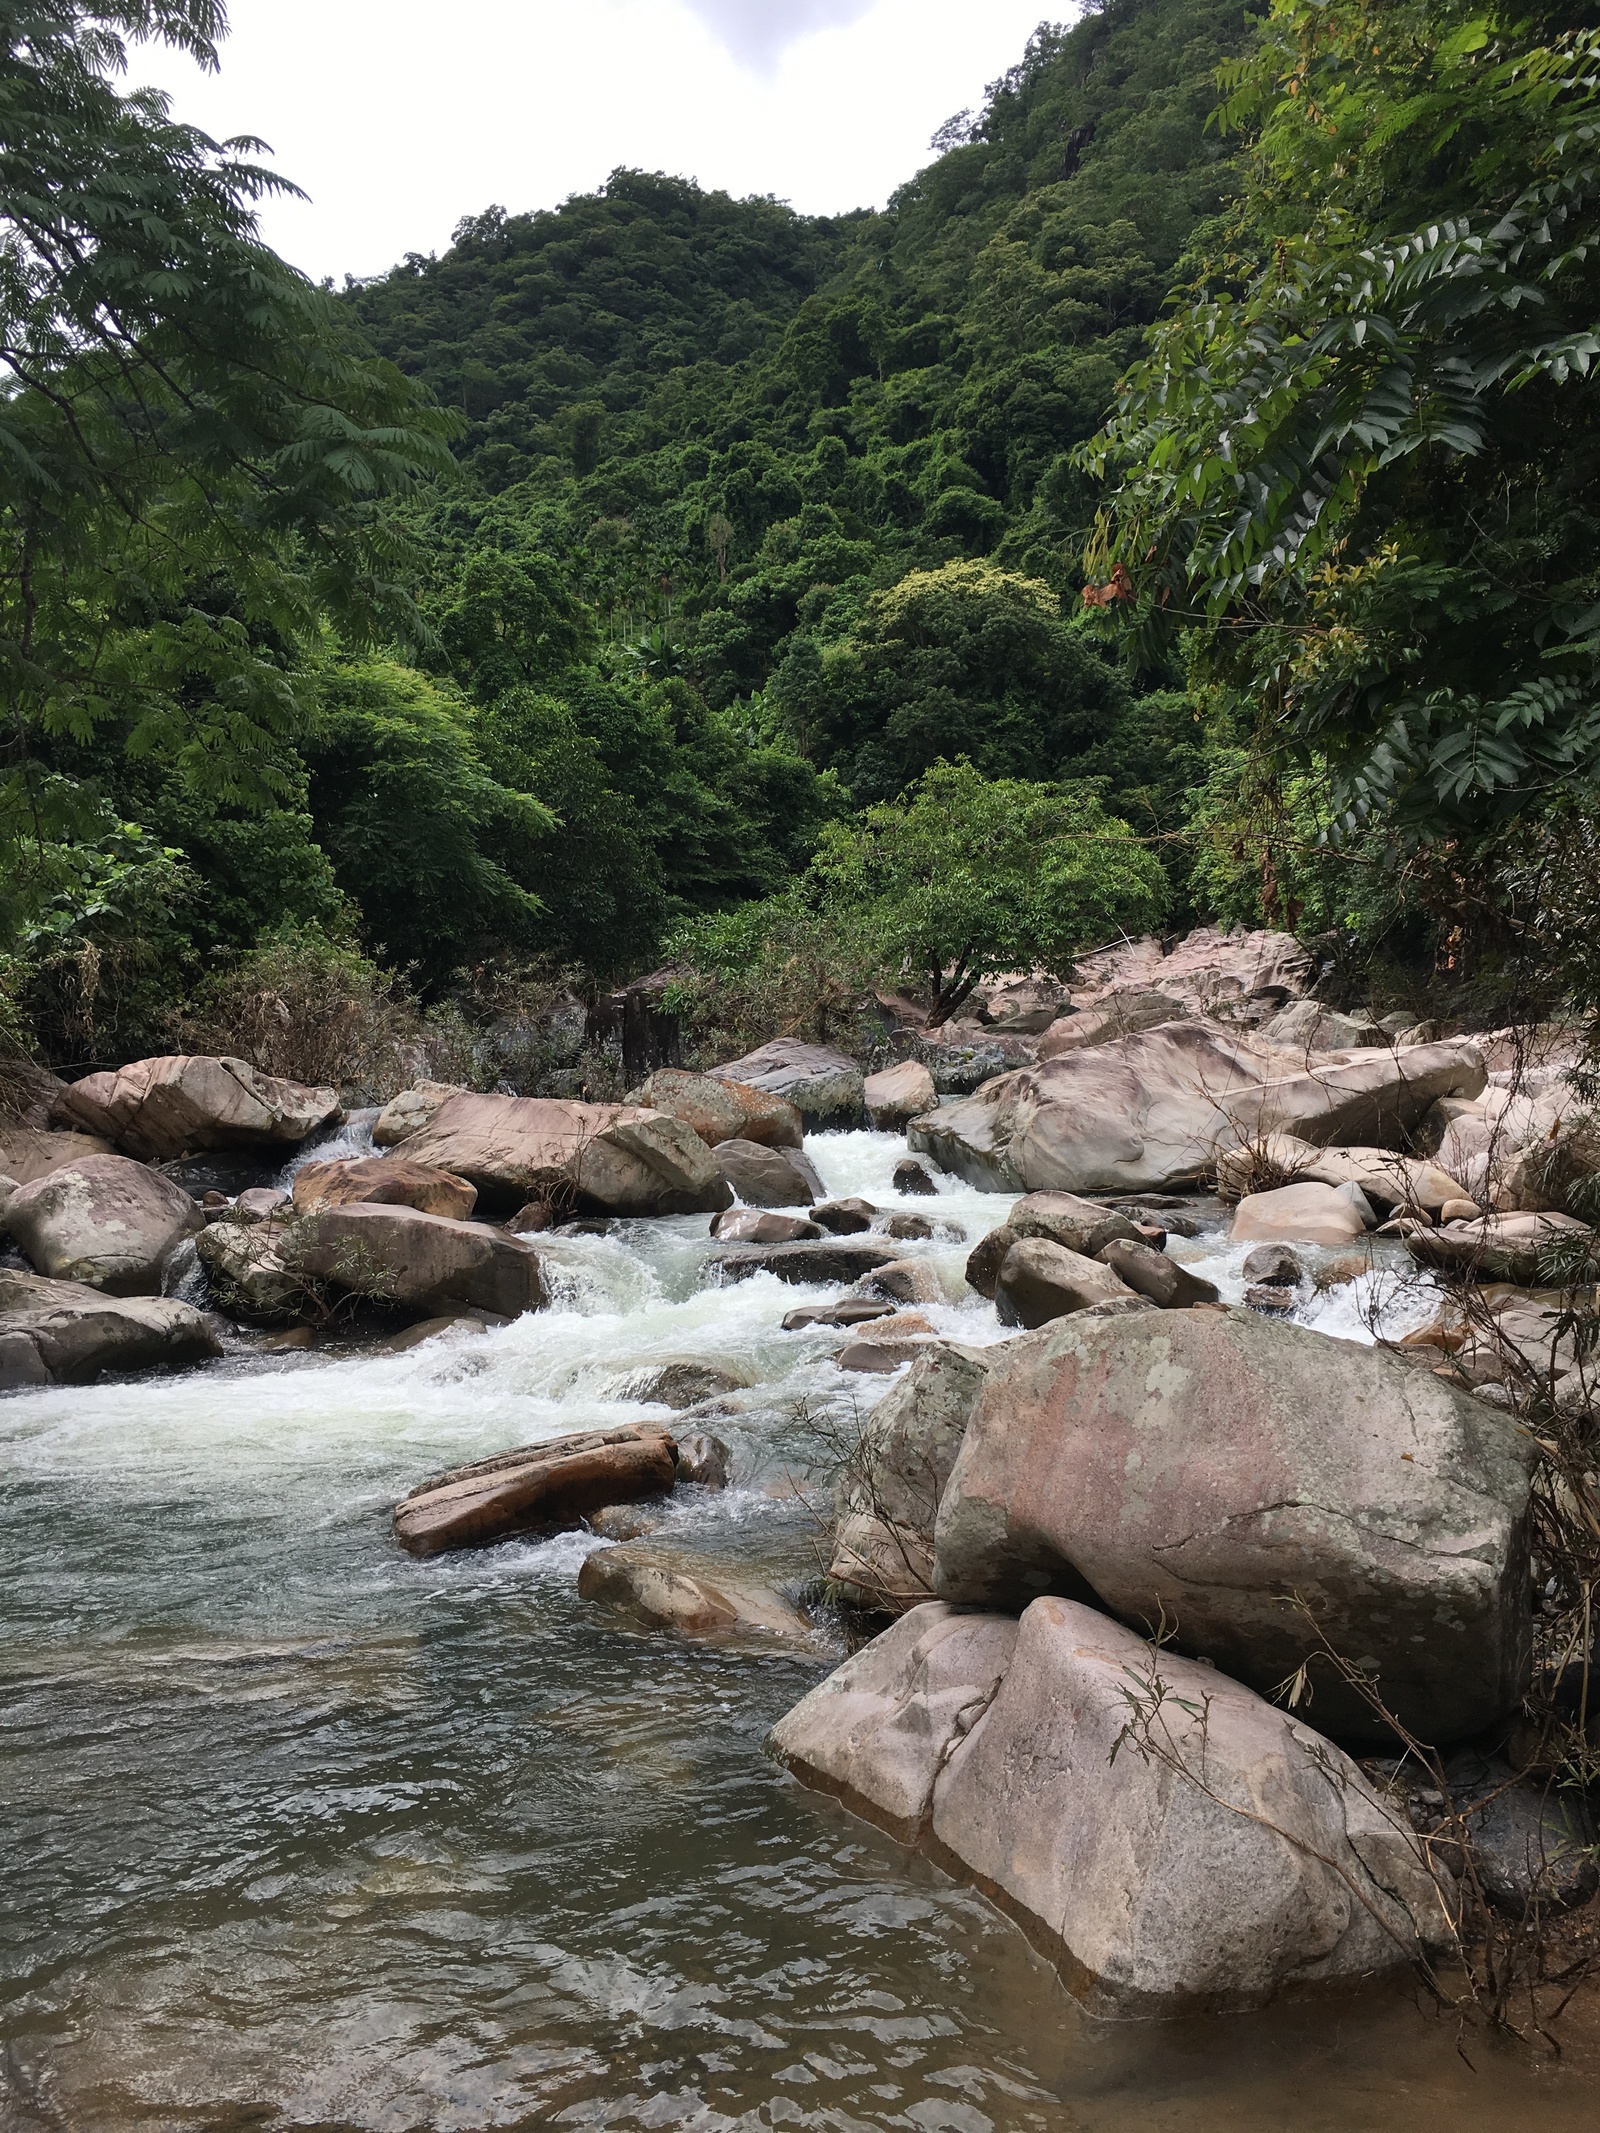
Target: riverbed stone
1078	1225
1151	1273
30	1152
880	1729
835	1260
410	1111
1498	1248
159	1108
759	1225
845	1218
611	1159
105	1221
720	1110
987	1257
383	1181
703	1460
1274	1265
66	1333
249	1268
913	1176
903	1281
1298	1214
1213	1469
1040	1281
899	1094
768	1177
678	1381
413	1261
825	1086
1173	1842
656	1587
539	1488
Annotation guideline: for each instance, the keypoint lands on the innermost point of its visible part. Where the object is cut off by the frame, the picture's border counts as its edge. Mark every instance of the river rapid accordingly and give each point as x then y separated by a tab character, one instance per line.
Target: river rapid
302	1833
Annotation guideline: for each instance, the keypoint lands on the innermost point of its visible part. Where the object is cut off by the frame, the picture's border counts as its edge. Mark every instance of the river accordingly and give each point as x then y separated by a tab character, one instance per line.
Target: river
301	1833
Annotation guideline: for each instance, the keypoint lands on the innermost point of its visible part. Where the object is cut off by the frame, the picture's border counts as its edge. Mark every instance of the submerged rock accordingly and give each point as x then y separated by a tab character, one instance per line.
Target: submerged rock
704	1461
103	1220
753	1225
540	1488
677	1381
845	1218
661	1589
166	1107
836	1260
1209	1468
64	1333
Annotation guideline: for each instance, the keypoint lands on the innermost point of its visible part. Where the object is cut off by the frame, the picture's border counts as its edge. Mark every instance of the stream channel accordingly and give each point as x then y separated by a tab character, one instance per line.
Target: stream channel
302	1833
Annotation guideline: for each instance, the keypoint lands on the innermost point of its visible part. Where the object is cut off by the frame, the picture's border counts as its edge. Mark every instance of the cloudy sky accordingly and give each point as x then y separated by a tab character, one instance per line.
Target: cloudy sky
398	117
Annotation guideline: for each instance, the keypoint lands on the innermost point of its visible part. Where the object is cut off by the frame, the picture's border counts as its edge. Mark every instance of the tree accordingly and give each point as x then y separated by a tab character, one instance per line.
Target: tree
964	877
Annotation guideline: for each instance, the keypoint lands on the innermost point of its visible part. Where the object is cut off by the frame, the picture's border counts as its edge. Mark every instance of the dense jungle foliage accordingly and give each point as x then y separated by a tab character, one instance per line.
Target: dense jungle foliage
1198	447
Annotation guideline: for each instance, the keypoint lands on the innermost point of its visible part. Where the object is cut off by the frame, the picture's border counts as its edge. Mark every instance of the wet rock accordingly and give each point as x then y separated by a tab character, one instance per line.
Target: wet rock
880	1730
913	1177
605	1158
539	1488
838	1260
845	1218
751	1225
1499	1248
1077	1225
906	1281
909	1229
1174	1842
104	1221
1531	1842
848	1311
410	1111
1273	1264
165	1107
1040	1281
249	1272
1307	1214
400	1256
257	1203
768	1177
720	1110
428	1329
887	1498
678	1381
704	1461
1150	1273
28	1152
65	1333
532	1219
383	1181
1203	1467
899	1094
881	1352
658	1589
823	1085
1270	1296
625	1521
987	1257
586	1226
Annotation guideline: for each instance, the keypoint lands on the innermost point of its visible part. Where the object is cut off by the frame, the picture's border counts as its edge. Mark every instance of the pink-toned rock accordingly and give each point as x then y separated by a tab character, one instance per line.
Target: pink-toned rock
899	1094
760	1225
1297	1214
170	1106
537	1489
1212	1469
383	1181
64	1333
1119	1014
29	1152
410	1111
1208	970
603	1158
721	1110
400	1256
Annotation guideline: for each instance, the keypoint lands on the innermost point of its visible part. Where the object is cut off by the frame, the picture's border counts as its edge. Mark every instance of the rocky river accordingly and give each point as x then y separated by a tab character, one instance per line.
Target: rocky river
305	1833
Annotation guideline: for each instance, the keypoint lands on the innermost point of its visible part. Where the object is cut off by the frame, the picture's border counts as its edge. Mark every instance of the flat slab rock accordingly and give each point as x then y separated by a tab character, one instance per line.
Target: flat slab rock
1172	1842
539	1488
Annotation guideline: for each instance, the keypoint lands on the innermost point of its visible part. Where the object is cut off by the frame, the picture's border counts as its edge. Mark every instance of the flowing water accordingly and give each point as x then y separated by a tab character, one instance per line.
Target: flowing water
302	1833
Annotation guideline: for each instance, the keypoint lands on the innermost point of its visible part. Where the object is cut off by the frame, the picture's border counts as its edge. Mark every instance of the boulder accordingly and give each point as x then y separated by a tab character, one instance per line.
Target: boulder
845	1218
1308	1026
250	1272
677	1381
913	1177
1429	1132
538	1489
428	1329
1078	1225
1119	1014
823	1085
602	1158
29	1152
987	1257
1151	1273
410	1111
531	1219
1273	1264
961	1057
768	1177
658	1588
383	1181
899	1094
1301	1214
721	1110
1499	1248
1246	975
65	1333
1039	1281
257	1203
419	1262
105	1221
1024	1007
703	1461
887	1498
882	1350
1209	1468
903	1281
755	1225
1176	1844
880	1730
1389	1181
159	1108
837	1260
848	1311
908	1229
1373	1100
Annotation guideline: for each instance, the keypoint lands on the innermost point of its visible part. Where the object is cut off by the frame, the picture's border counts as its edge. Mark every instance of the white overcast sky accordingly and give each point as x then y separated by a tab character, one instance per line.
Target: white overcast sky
398	117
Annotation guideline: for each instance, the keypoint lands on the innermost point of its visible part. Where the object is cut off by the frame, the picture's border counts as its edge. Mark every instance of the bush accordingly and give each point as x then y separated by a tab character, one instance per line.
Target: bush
314	1010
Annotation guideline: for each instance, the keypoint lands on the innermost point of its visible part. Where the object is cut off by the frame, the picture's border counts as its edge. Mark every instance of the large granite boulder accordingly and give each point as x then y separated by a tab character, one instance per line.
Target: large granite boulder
1039	1281
158	1108
1243	975
410	1111
759	1225
1155	1110
103	1220
769	1177
383	1181
417	1262
887	1498
64	1333
1173	1843
30	1152
1390	1181
609	1159
1297	1214
1228	1473
823	1085
721	1110
1150	1273
537	1489
899	1094
1119	1014
1077	1225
